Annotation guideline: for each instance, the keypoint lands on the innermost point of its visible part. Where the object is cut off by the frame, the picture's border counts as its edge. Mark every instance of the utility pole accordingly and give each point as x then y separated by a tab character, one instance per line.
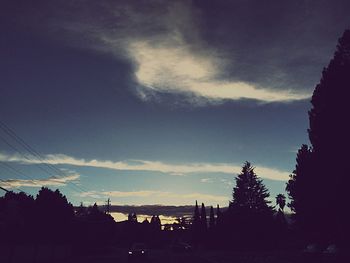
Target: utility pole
108	206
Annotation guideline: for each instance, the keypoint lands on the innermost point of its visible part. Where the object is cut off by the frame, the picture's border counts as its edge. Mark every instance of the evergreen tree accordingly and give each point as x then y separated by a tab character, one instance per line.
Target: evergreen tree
211	218
249	193
196	225
132	217
145	222
218	216
203	218
319	187
250	217
155	223
329	136
81	210
299	189
196	217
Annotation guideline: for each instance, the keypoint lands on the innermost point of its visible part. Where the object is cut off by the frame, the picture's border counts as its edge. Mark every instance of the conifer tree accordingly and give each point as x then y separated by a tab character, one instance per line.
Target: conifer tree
218	216
329	135
211	218
196	216
196	225
318	187
203	219
250	217
250	193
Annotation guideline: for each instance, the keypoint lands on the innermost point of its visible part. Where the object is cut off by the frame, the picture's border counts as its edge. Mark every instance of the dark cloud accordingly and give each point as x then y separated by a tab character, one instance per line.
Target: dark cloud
274	43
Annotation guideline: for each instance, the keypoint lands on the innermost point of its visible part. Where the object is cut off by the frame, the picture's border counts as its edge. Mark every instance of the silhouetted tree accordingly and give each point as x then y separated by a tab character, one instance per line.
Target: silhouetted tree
329	134
17	216
196	224
196	217
280	217
132	217
250	216
54	205
218	216
94	213
250	193
203	219
211	218
319	189
53	209
300	190
81	210
156	223
281	201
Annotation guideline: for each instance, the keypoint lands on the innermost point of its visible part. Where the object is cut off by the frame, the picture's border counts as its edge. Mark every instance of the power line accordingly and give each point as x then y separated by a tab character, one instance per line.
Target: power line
22	154
37	155
4	189
25	156
15	171
25	145
9	185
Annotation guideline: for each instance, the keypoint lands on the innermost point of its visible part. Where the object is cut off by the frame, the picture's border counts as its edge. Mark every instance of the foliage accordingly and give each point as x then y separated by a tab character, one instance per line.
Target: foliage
318	187
281	201
211	218
203	218
249	193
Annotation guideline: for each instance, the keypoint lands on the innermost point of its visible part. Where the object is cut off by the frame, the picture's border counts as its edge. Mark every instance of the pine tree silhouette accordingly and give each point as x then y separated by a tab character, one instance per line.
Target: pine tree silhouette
196	216
203	218
329	135
318	187
196	225
300	190
211	218
250	216
218	216
250	193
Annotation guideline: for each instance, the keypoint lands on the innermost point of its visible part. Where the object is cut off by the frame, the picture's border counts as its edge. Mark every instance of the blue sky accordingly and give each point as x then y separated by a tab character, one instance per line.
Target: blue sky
159	102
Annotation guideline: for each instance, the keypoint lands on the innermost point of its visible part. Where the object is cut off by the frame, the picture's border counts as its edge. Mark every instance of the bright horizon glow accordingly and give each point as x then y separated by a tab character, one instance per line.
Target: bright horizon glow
140	218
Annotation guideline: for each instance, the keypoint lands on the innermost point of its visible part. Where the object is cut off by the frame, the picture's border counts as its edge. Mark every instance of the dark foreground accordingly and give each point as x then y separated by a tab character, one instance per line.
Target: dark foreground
60	254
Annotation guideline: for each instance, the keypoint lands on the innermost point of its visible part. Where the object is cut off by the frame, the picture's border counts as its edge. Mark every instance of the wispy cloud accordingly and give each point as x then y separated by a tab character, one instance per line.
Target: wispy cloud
223	181
207	180
51	181
173	68
154	166
167	50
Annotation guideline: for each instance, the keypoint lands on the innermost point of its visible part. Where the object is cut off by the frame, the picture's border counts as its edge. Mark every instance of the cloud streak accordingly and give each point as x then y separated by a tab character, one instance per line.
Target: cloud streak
173	68
51	181
151	166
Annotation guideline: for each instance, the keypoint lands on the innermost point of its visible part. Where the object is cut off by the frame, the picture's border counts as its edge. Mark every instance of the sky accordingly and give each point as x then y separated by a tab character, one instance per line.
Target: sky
158	102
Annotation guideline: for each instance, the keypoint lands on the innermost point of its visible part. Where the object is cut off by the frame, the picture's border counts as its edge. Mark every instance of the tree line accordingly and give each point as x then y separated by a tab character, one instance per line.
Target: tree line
317	190
249	222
